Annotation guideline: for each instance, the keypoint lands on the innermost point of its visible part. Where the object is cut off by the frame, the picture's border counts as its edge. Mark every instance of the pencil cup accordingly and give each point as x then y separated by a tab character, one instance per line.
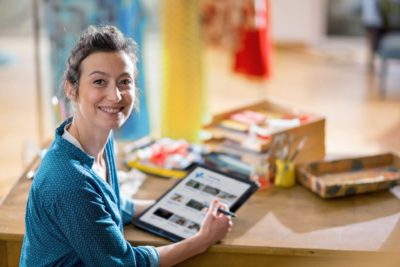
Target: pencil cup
284	175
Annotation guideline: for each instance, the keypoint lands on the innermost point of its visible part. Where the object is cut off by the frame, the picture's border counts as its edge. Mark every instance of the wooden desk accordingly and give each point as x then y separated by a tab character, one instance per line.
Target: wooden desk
276	227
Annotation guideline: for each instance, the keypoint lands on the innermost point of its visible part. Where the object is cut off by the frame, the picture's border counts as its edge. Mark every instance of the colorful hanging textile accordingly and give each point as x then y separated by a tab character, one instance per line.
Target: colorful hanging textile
253	53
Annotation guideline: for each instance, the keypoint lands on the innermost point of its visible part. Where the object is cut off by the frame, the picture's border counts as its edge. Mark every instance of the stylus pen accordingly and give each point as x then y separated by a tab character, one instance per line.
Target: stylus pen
227	212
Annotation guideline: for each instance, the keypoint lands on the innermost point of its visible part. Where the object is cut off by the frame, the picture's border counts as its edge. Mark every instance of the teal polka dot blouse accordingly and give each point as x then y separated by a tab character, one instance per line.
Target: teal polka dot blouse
75	218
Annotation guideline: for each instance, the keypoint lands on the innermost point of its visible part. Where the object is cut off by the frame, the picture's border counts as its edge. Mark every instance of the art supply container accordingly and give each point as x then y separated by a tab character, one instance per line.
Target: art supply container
285	173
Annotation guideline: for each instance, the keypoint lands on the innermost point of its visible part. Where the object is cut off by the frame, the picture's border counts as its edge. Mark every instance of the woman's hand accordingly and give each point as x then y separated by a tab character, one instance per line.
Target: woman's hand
215	225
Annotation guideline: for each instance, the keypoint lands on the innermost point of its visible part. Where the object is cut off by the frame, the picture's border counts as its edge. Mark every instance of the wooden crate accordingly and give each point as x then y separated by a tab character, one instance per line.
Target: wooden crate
313	128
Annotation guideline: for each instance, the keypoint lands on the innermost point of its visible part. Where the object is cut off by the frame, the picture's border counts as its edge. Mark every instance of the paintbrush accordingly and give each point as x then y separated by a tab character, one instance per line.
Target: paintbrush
299	147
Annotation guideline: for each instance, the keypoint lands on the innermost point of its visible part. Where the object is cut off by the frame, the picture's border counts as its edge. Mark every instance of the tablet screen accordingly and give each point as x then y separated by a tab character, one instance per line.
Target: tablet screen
179	213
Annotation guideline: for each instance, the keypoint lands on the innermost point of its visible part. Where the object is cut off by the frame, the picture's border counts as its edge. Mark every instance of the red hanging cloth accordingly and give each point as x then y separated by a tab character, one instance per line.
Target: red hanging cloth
253	54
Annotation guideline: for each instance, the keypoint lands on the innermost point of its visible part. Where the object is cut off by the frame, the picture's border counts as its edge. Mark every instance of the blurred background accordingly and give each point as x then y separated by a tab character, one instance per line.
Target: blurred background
212	56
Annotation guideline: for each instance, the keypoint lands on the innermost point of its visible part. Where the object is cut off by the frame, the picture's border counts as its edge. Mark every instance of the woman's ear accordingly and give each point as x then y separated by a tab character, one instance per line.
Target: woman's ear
70	91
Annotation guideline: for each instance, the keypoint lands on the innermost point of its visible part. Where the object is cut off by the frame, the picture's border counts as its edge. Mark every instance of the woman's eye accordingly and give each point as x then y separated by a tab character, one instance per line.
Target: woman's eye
100	82
126	82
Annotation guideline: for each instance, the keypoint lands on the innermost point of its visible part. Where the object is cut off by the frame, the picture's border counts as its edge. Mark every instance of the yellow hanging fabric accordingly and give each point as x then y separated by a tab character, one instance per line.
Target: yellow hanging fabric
183	95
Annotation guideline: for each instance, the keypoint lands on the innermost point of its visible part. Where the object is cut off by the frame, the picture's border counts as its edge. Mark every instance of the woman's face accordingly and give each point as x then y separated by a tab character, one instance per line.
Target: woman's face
106	90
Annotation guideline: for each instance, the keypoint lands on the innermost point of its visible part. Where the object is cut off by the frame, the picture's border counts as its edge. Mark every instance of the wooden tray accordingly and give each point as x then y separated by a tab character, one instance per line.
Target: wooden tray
350	176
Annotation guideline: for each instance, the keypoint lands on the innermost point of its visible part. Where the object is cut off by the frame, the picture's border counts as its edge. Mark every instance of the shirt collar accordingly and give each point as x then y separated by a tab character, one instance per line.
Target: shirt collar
71	149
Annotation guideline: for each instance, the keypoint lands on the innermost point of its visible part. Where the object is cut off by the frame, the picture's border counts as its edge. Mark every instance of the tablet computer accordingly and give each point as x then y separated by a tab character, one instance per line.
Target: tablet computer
179	213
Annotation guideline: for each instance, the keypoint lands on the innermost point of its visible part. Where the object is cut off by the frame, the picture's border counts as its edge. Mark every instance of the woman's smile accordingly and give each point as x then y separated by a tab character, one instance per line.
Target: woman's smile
111	110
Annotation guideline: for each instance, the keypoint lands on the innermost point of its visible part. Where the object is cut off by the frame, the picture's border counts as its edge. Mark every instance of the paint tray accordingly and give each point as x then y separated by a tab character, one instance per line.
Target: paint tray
345	177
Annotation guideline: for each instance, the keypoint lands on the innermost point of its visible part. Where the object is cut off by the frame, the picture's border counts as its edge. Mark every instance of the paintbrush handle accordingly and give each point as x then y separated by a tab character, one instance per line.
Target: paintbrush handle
298	148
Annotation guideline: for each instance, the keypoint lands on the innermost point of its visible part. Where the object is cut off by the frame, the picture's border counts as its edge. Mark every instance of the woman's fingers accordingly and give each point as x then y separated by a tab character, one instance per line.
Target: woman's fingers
213	209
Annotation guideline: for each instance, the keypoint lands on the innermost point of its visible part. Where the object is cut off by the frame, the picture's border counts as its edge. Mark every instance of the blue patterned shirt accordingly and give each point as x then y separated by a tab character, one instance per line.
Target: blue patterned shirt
74	217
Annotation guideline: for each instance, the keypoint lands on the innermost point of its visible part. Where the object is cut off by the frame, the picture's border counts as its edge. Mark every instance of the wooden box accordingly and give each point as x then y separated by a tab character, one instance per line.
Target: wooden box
350	176
241	141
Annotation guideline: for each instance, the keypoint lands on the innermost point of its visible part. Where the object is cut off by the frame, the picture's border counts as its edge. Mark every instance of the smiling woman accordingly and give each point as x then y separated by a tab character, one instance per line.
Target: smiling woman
74	208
